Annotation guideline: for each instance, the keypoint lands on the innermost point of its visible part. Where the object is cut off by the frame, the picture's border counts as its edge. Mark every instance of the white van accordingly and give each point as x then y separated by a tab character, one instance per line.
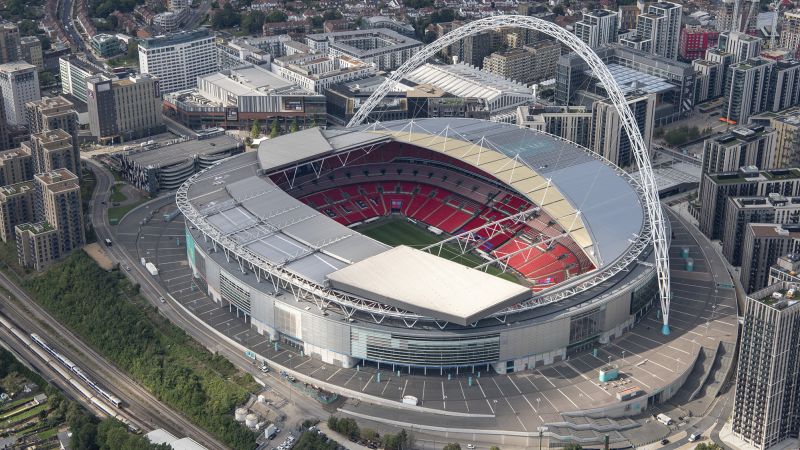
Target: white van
694	436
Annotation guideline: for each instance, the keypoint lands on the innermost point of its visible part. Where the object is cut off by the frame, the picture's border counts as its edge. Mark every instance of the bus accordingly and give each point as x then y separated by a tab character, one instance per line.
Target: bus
108	242
665	419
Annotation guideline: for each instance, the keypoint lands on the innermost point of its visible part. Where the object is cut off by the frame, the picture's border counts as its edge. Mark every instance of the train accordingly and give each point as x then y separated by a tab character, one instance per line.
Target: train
70	372
77	370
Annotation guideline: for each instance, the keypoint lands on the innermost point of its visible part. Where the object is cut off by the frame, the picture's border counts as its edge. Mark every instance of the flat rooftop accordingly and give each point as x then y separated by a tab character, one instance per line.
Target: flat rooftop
171	154
427	284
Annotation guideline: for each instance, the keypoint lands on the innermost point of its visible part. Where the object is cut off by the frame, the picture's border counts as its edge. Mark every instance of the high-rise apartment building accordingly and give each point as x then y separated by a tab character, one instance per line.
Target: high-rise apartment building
661	25
473	49
787	135
16	207
573	123
744	145
747	89
728	20
126	109
19	83
609	139
30	48
742	46
790	30
742	211
51	150
716	188
53	115
9	42
16	165
515	64
766	408
58	229
710	79
784	89
598	27
762	245
178	59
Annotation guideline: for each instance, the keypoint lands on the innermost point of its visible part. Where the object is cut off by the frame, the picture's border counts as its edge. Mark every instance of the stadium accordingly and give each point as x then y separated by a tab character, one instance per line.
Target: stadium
427	244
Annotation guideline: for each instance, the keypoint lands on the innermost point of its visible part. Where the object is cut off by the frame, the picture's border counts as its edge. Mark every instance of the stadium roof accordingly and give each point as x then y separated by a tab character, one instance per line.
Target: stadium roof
427	284
250	209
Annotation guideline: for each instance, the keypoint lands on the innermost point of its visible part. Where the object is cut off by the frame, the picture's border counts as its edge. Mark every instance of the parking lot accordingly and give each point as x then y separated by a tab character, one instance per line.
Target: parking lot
702	314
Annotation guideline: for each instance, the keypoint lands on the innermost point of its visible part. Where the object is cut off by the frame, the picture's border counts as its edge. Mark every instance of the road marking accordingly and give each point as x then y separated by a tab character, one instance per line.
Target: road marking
367	383
351	377
333	374
548	379
385	386
423	389
404	388
511	379
307	360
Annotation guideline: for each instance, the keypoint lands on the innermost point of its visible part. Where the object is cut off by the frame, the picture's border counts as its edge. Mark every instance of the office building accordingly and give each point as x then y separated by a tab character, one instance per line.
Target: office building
316	72
660	27
52	150
766	411
672	81
16	207
382	47
742	46
742	211
573	123
30	48
235	98
790	30
343	100
16	165
744	145
763	244
58	228
9	42
106	45
74	72
502	96
609	139
19	83
124	109
598	27
716	188
747	87
178	59
695	40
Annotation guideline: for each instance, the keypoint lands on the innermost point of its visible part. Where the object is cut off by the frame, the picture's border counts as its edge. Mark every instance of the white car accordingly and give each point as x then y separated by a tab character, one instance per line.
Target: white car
162	300
470	446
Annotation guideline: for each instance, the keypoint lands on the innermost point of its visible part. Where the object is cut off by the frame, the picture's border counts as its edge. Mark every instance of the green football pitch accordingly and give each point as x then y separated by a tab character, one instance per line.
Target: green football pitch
396	232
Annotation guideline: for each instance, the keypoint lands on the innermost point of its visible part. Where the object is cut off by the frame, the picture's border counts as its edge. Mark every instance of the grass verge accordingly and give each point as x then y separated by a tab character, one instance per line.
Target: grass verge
133	335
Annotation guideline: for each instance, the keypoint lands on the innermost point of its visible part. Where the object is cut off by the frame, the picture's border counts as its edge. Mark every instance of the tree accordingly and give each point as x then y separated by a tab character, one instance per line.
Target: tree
293	126
368	434
256	130
332	14
452	446
133	50
277	16
274	131
707	446
573	446
46	78
494	447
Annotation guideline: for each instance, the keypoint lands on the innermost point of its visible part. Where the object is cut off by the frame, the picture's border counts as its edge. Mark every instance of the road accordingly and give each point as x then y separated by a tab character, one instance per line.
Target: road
152	291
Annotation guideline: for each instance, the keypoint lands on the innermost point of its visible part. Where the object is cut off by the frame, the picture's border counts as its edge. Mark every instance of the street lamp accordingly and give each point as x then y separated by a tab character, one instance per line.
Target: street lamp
541	432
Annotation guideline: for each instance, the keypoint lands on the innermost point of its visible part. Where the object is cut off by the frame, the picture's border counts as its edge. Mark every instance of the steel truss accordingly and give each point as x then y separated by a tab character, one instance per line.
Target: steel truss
657	225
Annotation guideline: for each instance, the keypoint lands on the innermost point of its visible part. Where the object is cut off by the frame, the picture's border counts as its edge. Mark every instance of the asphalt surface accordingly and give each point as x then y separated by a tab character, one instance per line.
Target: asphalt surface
305	406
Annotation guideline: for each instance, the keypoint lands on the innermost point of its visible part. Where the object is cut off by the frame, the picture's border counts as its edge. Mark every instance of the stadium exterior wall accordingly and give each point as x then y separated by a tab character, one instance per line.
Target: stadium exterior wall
509	347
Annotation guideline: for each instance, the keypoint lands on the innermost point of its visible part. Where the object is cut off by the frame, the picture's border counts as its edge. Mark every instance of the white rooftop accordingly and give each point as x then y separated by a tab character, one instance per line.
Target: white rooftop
427	284
463	80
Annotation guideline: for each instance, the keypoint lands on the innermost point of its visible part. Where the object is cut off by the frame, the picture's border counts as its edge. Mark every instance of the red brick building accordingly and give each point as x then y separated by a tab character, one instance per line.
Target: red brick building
695	41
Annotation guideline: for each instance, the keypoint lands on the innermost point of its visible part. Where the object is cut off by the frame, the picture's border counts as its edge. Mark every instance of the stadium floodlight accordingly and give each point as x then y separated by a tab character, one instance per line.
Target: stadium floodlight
647	180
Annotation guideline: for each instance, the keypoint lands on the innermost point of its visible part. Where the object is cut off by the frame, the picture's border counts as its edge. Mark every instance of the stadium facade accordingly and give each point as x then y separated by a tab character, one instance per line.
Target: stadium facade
274	235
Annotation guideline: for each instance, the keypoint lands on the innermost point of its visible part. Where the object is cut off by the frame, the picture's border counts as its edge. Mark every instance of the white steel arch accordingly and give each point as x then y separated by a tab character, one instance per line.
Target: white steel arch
647	180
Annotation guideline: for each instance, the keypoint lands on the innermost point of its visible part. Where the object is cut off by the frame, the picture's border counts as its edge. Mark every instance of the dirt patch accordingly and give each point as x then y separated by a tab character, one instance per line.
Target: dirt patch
99	255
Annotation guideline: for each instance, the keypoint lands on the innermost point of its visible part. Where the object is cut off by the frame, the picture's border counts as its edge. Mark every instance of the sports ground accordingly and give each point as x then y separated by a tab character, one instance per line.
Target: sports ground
397	231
